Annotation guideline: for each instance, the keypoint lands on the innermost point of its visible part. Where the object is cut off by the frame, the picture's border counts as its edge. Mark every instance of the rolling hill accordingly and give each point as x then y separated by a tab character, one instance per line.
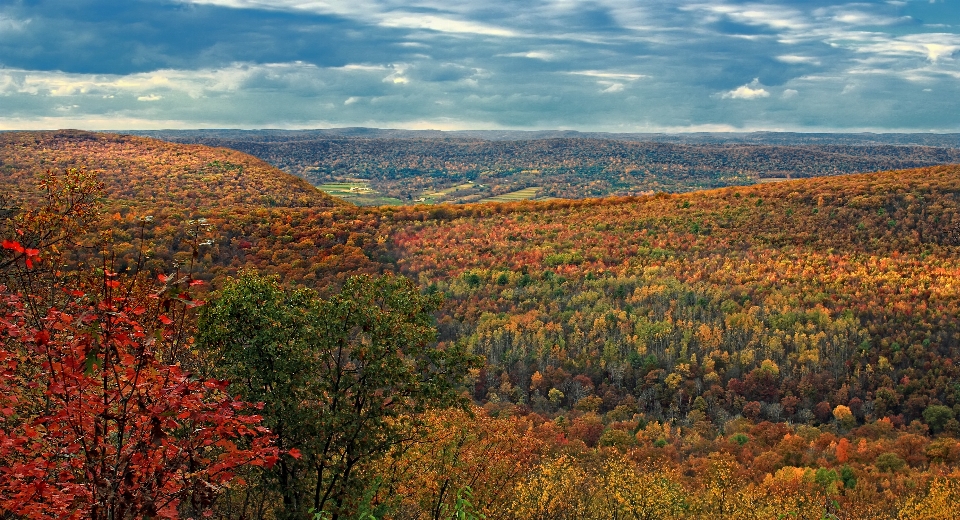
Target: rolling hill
137	170
395	167
796	340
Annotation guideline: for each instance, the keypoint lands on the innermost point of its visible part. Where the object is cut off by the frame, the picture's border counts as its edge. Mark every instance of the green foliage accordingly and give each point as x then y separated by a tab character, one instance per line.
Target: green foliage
343	379
463	508
825	477
937	416
848	477
889	462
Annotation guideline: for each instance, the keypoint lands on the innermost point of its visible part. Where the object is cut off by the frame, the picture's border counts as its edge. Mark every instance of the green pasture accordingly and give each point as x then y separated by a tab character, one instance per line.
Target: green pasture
358	193
514	196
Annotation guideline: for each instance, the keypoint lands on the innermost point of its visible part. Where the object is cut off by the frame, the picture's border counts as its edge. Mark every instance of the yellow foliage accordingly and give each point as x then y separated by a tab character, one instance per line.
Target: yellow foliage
941	501
842	412
566	488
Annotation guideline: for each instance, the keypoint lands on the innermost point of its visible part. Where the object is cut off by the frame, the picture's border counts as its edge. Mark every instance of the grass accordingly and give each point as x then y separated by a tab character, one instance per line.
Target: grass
447	191
438	196
358	193
513	196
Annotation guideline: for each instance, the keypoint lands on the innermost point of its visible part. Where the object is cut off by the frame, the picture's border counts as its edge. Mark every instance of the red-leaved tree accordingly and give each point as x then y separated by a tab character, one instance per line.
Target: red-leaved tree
93	422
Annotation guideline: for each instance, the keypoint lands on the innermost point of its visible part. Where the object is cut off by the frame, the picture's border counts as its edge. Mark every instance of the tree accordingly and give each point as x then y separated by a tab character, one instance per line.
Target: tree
92	423
937	416
343	379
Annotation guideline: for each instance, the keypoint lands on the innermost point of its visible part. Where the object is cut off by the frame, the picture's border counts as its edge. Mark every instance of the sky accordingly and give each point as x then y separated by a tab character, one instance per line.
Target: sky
601	65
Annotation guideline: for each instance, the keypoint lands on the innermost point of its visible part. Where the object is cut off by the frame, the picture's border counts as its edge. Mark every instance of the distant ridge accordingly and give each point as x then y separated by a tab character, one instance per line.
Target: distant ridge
137	169
758	138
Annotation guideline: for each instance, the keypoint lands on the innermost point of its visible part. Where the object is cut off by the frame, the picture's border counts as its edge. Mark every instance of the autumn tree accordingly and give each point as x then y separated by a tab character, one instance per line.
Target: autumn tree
92	423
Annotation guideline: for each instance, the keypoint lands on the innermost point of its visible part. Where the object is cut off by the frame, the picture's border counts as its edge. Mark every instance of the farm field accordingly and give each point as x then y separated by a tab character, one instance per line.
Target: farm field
514	196
458	194
359	193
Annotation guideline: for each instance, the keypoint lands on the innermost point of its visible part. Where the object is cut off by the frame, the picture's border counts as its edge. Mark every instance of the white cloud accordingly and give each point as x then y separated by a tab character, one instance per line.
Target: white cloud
775	17
795	59
931	46
362	67
351	100
610	75
751	90
611	87
443	24
535	55
861	18
150	86
398	75
9	25
384	13
789	93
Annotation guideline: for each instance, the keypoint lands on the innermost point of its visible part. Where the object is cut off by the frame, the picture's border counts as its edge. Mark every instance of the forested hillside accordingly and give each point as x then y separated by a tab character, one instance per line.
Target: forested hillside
232	209
779	301
406	170
765	351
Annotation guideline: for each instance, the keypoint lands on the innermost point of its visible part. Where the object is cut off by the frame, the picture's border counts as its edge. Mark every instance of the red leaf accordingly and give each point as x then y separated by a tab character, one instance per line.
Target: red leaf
196	282
10	244
295	453
162	277
165	320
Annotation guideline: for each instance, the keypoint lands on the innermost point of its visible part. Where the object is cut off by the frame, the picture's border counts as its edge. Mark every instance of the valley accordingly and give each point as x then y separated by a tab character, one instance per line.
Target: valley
406	167
796	339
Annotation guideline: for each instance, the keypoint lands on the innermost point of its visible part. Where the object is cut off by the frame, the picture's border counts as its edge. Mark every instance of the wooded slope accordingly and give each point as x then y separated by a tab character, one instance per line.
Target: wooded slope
140	170
778	301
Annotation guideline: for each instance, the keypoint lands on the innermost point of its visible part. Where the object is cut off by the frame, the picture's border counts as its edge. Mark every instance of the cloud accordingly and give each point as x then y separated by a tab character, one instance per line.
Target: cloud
447	25
774	17
751	90
795	59
617	65
10	25
932	46
381	13
535	55
607	74
611	87
147	86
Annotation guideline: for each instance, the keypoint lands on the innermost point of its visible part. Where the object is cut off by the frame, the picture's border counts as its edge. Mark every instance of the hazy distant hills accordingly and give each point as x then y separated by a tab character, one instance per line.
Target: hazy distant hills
759	138
376	167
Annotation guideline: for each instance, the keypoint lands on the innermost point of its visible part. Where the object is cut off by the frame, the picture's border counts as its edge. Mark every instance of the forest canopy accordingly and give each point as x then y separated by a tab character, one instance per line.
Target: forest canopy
642	356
